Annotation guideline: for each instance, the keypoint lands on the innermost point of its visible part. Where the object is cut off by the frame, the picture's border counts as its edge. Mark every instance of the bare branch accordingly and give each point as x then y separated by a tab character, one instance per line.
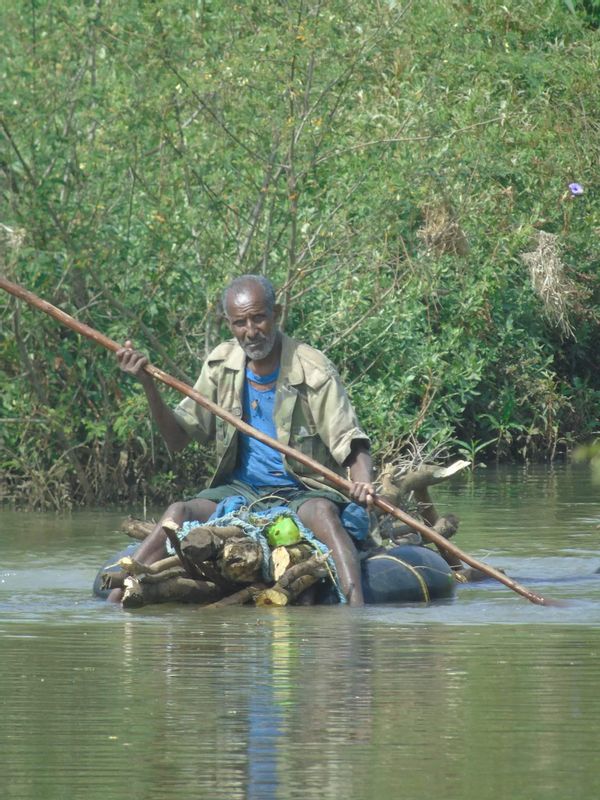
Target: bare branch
271	177
206	107
360	320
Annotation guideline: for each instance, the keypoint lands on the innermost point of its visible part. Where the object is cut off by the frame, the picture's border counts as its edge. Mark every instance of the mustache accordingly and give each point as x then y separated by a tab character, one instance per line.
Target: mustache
258	347
258	339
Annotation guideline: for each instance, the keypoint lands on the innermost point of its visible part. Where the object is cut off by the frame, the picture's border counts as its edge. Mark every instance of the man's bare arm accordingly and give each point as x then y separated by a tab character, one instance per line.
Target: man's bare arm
132	363
360	465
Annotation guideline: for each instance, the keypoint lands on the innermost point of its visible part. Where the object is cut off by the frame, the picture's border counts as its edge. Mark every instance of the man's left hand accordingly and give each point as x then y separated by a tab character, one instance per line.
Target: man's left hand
362	493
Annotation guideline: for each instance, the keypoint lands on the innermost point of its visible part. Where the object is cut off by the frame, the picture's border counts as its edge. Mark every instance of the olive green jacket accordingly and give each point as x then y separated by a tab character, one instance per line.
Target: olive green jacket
312	413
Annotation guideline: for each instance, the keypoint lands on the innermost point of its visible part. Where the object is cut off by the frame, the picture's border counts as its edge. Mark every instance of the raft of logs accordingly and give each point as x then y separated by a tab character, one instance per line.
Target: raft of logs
222	566
211	565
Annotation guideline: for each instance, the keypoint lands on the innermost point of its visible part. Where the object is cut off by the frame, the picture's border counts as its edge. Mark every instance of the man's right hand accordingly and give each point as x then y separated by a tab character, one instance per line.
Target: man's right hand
131	361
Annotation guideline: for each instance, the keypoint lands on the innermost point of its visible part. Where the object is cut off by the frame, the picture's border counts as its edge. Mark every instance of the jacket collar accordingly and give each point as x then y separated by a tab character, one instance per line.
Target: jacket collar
291	366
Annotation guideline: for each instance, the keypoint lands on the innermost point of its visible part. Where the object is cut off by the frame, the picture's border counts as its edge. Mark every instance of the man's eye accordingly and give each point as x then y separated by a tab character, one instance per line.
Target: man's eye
238	323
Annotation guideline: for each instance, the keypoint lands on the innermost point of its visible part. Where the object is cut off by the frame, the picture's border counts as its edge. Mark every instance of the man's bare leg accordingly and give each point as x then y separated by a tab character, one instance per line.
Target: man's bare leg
154	546
321	516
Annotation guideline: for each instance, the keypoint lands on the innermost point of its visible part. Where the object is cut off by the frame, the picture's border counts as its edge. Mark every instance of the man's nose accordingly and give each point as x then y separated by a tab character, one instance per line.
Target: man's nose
251	328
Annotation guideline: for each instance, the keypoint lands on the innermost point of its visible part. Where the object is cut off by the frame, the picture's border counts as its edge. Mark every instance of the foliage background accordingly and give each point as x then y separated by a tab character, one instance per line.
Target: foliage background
386	164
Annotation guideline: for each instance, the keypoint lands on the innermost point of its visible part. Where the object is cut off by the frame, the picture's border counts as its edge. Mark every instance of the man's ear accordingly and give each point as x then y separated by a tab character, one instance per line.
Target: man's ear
277	309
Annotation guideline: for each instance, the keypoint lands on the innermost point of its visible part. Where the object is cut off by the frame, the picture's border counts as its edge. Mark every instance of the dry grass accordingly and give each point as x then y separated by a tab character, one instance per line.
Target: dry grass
11	238
411	454
440	231
557	292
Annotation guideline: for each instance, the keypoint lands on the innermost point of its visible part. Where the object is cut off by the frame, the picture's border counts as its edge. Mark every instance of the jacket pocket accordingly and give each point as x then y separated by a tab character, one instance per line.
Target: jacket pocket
309	443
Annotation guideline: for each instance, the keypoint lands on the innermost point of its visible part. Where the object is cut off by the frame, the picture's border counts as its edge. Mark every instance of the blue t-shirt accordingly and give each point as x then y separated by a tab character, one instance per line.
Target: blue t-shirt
258	464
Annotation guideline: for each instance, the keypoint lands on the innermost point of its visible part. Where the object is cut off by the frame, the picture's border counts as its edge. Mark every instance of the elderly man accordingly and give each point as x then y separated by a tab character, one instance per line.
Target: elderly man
289	391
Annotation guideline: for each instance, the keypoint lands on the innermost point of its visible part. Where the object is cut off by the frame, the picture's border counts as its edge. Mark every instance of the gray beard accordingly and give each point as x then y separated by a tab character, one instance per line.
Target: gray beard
260	348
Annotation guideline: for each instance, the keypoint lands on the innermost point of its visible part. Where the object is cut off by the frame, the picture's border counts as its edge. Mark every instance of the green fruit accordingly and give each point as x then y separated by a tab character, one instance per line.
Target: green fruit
283	531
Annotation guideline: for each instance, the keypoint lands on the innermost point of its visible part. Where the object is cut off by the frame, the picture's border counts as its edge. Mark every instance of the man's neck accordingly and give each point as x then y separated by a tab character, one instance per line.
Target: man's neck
270	363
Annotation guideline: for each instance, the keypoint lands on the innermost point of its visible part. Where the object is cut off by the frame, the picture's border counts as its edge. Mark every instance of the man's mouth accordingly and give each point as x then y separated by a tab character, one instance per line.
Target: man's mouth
260	347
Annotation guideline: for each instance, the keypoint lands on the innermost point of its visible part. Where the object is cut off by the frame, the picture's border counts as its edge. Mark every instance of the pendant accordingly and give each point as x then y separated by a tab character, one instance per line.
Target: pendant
254	405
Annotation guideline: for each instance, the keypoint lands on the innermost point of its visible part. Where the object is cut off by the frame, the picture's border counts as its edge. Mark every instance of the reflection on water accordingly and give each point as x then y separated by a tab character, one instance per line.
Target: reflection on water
486	695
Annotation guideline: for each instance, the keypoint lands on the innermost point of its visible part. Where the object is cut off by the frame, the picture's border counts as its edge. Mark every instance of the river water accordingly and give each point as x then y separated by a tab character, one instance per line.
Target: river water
483	696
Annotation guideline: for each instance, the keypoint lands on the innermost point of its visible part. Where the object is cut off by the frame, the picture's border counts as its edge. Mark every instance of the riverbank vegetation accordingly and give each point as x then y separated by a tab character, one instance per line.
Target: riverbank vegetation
420	179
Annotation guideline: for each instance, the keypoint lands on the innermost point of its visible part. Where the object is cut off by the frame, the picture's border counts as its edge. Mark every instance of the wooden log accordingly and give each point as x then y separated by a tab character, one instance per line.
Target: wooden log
402	534
429	513
112	580
240	560
133	595
225	532
284	557
129	566
314	566
418	482
279	596
427	475
206	543
447	526
210	572
140	530
201	545
272	597
239	598
136	528
219	556
300	585
161	570
175	572
171	530
132	567
280	561
182	590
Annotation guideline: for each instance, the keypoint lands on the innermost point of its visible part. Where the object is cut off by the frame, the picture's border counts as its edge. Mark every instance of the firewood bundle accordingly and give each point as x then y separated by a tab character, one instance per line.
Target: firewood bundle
221	566
218	566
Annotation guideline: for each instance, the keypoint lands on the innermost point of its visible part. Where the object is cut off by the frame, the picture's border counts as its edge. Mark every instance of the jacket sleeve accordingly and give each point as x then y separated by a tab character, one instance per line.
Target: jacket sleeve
195	420
335	417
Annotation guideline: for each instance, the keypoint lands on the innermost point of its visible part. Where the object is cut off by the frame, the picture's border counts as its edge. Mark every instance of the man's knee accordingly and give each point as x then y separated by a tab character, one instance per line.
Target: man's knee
176	510
200	509
319	508
197	509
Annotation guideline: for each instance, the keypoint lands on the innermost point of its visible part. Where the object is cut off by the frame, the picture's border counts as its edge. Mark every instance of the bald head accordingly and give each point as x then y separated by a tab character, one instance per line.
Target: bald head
244	285
252	315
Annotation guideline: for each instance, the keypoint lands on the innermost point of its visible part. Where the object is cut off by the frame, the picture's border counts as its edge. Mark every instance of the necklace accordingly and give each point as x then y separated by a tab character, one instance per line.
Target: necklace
262	380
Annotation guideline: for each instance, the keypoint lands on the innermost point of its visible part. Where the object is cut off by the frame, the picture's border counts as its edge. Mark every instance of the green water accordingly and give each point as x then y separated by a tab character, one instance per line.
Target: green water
485	696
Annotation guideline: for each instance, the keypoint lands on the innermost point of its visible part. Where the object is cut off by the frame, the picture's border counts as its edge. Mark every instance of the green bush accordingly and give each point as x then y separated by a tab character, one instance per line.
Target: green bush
386	167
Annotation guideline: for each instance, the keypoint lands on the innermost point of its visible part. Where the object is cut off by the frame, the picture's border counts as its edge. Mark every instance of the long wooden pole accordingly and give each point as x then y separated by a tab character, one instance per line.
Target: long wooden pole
332	477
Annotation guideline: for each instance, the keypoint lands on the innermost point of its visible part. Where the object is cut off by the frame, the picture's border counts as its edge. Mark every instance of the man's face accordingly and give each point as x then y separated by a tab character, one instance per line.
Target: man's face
251	322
